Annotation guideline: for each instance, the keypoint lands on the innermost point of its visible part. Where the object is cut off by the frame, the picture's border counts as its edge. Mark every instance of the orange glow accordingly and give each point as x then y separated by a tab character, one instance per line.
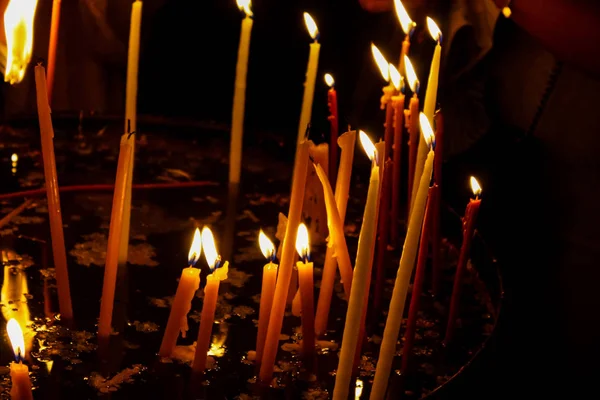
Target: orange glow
313	31
434	31
15	334
210	248
426	129
302	244
395	77
381	62
266	246
18	27
245	6
475	187
367	145
411	76
405	21
329	80
195	248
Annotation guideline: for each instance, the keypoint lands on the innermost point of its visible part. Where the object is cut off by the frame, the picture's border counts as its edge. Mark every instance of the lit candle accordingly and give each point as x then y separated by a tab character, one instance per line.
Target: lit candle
19	372
342	187
306	287
130	118
311	77
239	94
52	46
398	104
413	128
52	193
18	27
186	289
385	102
362	272
408	26
286	264
266	294
387	350
218	273
334	125
115	233
468	229
314	202
430	99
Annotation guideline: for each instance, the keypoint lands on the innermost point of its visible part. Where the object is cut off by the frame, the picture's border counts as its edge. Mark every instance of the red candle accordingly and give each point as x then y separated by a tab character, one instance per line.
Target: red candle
468	230
52	46
417	288
413	128
398	103
334	124
436	234
382	240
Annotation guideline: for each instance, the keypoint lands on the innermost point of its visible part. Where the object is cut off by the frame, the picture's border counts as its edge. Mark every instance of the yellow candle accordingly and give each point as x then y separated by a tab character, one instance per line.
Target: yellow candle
342	187
430	99
311	77
54	212
407	26
211	294
286	263
239	95
306	288
186	289
19	372
362	271
407	263
114	240
130	117
314	209
266	294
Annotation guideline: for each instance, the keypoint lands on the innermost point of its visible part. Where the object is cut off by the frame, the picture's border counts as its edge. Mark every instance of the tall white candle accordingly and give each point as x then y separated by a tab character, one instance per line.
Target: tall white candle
239	95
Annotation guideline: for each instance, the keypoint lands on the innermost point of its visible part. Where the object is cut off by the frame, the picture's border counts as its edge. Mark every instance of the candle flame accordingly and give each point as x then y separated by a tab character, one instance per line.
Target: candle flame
411	75
18	27
368	145
426	129
475	187
395	77
302	244
329	80
245	6
434	30
15	334
313	31
358	389
14	158
507	12
266	246
405	21
195	248
381	62
210	249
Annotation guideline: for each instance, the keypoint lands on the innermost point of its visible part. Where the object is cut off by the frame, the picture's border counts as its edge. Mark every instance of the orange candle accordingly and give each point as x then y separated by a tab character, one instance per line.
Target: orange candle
306	283
211	293
266	294
286	264
52	46
19	372
408	26
398	103
413	127
54	213
114	240
186	289
342	186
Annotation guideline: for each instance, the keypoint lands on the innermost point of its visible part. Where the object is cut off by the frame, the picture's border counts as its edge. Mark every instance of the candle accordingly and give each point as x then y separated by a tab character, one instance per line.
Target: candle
430	99
387	350
54	212
398	104
286	264
408	26
311	77
413	128
186	289
266	294
362	272
218	273
114	240
18	26
306	284
382	240
385	102
468	229
52	46
436	234
130	118
19	372
239	94
314	202
342	186
334	125
417	287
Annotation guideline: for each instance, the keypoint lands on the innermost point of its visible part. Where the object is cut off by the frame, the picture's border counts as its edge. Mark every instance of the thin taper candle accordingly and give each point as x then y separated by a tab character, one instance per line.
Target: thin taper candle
54	29
311	77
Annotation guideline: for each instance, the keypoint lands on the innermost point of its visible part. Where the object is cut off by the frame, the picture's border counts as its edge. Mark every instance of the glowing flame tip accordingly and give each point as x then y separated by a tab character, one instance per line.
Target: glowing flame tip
475	187
426	129
195	248
15	334
434	30
302	244
395	77
210	248
405	21
311	25
381	62
329	80
18	27
245	6
266	246
368	145
411	75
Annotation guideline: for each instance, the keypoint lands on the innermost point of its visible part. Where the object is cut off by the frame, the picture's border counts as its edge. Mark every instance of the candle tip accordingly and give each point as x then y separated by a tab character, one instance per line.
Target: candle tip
213	259
406	22
266	246
311	25
475	187
302	243
195	248
426	129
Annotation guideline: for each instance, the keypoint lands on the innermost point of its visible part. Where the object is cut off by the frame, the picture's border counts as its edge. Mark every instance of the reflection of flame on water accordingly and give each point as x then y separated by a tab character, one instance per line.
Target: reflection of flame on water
358	389
217	345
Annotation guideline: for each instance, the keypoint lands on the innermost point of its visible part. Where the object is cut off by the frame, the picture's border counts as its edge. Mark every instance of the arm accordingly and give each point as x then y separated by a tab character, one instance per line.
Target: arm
568	28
